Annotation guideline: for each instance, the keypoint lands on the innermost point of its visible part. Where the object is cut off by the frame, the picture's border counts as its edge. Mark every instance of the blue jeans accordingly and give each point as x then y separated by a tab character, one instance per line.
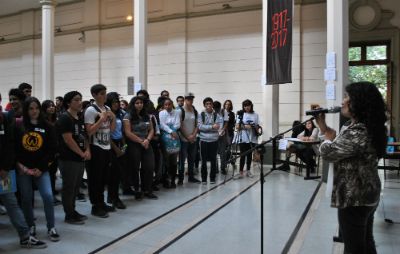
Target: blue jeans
44	185
188	150
16	216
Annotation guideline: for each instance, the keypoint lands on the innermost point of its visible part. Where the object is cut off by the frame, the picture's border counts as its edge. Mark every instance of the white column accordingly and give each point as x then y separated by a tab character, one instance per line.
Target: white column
338	42
140	42
270	112
48	7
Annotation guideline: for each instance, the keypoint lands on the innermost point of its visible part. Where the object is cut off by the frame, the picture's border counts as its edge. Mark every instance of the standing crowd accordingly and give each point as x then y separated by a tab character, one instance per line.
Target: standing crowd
125	148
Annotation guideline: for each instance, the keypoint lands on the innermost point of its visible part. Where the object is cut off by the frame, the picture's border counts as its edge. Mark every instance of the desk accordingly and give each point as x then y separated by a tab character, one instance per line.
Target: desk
391	156
306	143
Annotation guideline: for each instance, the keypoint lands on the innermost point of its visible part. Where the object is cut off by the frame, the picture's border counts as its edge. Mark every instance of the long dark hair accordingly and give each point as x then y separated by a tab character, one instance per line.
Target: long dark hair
368	107
25	112
231	107
307	132
247	103
50	118
135	117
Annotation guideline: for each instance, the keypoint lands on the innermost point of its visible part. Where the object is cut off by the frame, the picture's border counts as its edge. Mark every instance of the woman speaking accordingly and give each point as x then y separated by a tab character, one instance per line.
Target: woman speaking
355	153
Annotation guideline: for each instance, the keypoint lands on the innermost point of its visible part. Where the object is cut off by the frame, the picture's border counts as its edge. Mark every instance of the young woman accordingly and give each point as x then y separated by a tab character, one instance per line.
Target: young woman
306	153
36	145
50	114
139	131
229	130
247	124
170	122
355	153
118	151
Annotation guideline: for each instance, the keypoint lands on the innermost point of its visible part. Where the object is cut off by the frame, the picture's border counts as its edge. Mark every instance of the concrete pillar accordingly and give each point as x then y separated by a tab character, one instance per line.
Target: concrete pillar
338	42
48	8
140	42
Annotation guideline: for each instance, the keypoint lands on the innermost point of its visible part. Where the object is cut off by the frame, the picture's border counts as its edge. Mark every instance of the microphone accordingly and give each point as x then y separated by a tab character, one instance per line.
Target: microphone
317	111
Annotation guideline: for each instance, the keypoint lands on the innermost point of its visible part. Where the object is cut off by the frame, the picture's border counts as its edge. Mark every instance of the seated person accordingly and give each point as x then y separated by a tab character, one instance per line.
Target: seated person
297	128
304	152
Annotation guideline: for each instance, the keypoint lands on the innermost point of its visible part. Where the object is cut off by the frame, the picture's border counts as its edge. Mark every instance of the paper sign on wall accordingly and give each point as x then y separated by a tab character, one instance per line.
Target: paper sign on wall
330	74
330	91
331	60
137	87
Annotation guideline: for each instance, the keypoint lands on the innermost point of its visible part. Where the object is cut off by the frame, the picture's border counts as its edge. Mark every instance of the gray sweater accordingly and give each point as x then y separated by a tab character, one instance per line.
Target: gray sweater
206	132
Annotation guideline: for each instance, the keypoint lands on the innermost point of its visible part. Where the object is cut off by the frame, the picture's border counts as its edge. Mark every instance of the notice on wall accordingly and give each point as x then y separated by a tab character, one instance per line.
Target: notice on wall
330	91
331	60
330	74
137	87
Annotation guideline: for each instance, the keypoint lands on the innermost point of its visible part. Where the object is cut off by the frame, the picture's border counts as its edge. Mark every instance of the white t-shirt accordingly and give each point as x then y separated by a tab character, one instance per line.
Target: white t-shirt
247	136
102	136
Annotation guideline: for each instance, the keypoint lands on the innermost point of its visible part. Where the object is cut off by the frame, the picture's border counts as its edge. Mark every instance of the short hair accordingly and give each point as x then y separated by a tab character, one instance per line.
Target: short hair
111	97
68	98
59	98
179	97
17	93
217	106
144	92
207	99
24	86
163	91
97	88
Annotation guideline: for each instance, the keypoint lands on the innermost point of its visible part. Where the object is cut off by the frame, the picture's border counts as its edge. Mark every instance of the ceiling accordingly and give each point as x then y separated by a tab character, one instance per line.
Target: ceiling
13	6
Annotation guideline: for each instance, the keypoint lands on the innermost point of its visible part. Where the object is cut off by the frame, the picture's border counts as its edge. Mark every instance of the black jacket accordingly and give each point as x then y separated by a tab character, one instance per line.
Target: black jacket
7	143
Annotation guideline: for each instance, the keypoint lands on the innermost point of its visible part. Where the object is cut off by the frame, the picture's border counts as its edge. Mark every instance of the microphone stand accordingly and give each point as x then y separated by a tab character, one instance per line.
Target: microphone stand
261	147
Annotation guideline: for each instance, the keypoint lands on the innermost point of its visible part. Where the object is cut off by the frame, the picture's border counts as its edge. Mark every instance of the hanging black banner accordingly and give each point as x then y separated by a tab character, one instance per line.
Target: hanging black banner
279	41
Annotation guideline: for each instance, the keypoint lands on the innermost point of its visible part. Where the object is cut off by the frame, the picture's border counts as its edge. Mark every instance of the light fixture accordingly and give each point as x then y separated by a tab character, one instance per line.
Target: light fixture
129	18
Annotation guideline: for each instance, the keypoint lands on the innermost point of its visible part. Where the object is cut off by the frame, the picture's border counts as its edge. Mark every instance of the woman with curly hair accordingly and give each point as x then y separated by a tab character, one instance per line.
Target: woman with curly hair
355	153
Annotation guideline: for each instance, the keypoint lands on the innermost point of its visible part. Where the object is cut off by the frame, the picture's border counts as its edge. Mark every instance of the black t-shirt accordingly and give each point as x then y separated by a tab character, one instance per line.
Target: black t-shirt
68	124
36	145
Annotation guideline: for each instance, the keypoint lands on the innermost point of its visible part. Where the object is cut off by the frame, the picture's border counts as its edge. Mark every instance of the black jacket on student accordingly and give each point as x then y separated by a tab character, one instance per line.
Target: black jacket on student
7	144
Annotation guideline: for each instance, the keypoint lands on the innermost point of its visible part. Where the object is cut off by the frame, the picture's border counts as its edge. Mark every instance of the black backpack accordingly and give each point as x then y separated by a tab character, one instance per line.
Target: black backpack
203	116
196	114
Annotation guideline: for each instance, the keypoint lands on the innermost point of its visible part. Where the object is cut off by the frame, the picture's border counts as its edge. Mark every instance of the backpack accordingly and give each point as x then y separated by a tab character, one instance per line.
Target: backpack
196	114
203	116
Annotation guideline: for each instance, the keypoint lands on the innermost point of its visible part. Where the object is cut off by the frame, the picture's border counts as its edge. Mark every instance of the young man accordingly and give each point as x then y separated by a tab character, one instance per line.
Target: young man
164	94
74	151
16	98
99	121
26	89
180	100
210	123
8	199
188	133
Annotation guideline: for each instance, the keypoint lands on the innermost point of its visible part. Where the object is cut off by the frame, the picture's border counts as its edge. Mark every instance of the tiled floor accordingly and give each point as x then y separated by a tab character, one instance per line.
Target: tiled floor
224	220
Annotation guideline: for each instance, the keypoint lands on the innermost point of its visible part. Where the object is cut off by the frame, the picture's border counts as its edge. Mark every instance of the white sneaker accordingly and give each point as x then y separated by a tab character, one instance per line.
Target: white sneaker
249	174
53	235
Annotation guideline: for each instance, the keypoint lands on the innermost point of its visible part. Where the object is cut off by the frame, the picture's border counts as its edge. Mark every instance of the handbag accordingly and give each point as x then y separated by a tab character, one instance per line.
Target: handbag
171	145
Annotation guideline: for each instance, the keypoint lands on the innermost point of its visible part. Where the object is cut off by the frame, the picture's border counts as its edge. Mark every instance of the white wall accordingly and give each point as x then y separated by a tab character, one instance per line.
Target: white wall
218	56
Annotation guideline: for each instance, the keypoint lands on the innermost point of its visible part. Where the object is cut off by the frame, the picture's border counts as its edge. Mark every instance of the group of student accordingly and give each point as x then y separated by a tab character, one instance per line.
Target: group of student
134	146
